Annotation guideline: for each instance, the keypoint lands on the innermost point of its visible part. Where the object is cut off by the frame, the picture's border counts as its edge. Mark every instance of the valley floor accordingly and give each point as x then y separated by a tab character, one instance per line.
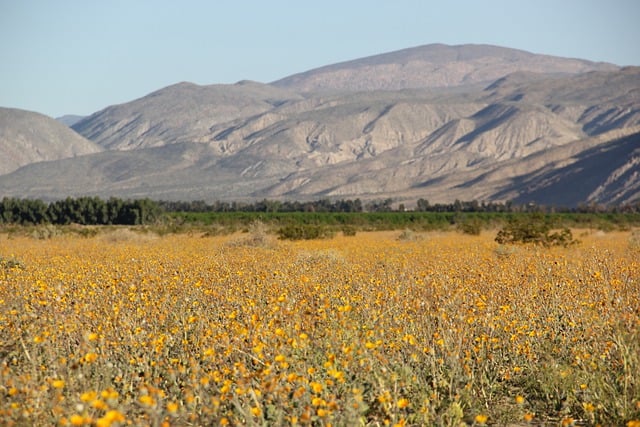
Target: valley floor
383	328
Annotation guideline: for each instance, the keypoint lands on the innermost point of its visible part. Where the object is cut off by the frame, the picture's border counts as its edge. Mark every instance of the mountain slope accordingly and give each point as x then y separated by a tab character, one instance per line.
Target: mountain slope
529	136
608	173
180	113
28	137
434	65
181	171
597	101
394	144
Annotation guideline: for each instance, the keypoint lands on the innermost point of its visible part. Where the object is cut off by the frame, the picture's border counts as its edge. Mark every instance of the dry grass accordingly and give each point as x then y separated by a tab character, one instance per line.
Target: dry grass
370	330
634	240
409	236
122	235
257	235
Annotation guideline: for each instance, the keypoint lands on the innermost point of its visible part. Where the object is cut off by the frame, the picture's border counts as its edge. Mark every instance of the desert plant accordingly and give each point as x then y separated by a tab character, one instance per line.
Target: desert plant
634	239
315	258
304	232
348	230
120	235
10	263
218	230
46	232
504	251
408	235
257	235
472	226
534	229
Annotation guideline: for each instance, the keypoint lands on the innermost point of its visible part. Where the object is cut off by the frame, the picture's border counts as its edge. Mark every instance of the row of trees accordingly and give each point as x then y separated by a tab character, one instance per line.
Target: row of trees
82	210
323	205
326	205
95	211
386	205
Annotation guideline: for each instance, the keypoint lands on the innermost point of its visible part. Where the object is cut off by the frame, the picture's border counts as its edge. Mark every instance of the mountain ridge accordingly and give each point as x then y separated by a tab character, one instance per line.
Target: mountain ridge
27	137
433	65
514	137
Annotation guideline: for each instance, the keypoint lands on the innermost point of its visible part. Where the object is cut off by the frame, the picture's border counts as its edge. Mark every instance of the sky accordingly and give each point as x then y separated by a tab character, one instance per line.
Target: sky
62	57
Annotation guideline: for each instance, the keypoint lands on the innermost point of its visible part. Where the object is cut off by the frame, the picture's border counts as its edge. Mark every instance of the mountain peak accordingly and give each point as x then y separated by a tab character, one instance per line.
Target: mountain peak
433	65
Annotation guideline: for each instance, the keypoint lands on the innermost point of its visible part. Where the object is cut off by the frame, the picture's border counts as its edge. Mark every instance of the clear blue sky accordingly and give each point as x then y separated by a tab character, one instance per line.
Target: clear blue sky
78	56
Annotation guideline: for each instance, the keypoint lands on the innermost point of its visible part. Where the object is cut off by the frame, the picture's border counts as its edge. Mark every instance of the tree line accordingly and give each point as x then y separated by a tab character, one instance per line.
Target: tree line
265	205
82	210
332	206
387	205
95	211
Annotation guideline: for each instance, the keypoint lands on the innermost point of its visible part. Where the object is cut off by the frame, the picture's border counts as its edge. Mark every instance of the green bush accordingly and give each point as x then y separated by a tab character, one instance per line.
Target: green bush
348	230
534	229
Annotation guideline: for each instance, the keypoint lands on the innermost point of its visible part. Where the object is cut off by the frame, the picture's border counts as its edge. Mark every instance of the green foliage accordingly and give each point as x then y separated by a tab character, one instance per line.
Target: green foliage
419	221
534	229
344	216
83	211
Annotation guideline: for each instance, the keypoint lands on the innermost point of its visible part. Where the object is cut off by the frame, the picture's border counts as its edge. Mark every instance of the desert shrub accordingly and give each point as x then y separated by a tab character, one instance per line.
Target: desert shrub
256	235
562	237
534	229
315	258
218	230
10	263
46	232
504	251
634	239
348	230
472	226
120	235
86	231
304	232
408	235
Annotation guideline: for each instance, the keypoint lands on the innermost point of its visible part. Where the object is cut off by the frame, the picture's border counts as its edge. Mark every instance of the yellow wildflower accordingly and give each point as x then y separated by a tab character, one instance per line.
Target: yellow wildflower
147	400
76	420
402	403
316	387
481	419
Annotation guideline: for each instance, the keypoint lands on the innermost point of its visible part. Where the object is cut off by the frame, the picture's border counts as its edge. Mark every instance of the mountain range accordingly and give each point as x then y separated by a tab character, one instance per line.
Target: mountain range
437	122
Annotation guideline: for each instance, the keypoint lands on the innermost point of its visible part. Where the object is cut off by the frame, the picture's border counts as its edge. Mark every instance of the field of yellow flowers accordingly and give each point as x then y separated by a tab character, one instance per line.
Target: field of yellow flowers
125	328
